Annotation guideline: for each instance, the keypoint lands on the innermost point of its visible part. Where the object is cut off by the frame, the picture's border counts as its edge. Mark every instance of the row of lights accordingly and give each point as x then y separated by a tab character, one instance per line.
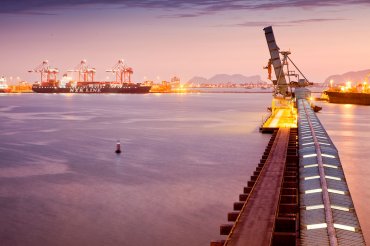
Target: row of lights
337	226
311	191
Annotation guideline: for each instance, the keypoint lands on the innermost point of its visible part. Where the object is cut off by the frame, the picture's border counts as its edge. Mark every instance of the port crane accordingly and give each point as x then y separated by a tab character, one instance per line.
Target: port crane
281	85
47	74
123	72
85	73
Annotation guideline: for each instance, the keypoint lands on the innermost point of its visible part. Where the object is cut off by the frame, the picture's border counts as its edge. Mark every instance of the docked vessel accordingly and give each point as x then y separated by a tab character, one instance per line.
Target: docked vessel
95	87
85	80
3	85
359	98
359	95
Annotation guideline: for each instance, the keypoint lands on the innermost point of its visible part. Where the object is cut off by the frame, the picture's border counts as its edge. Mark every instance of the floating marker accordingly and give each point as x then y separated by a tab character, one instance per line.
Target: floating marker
118	147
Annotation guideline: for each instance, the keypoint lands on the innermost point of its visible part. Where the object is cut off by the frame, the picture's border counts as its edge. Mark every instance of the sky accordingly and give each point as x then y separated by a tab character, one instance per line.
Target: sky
160	39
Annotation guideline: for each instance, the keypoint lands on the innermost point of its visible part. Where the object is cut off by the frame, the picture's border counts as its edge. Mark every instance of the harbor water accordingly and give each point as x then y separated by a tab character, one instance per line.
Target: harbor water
185	159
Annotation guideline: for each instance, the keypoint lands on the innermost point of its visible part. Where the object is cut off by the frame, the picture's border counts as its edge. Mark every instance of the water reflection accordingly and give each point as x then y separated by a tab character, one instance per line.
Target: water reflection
185	159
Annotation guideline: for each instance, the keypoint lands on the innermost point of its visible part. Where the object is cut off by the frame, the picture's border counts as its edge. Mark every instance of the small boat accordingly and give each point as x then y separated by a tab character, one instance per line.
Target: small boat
316	108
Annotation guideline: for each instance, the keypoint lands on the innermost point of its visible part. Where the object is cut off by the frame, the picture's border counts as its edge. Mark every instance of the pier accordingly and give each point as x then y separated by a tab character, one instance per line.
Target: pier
298	194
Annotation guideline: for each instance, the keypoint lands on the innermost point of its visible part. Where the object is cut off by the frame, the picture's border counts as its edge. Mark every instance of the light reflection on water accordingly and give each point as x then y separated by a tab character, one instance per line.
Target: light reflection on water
185	160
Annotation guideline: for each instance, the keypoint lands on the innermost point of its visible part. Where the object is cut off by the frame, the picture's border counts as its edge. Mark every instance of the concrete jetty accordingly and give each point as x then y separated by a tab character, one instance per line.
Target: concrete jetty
298	194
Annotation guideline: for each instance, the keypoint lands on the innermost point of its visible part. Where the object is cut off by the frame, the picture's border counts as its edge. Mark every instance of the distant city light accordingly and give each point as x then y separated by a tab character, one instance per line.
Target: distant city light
348	84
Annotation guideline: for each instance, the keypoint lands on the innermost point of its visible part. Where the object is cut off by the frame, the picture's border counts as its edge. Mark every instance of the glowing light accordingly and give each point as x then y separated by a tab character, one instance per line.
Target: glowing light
317	226
308	143
348	84
309	155
315	207
336	191
310	165
303	132
312	177
345	227
308	136
332	177
331	166
339	208
329	156
319	131
313	191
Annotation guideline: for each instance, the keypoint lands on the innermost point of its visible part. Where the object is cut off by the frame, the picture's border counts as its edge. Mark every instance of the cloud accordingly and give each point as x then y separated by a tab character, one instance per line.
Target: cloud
197	7
286	23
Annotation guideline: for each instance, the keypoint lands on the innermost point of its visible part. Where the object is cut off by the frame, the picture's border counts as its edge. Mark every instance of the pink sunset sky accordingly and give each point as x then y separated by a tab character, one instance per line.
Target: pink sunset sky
160	39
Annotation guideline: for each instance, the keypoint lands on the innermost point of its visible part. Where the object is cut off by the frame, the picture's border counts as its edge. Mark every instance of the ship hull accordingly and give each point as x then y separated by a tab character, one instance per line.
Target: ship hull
348	97
132	89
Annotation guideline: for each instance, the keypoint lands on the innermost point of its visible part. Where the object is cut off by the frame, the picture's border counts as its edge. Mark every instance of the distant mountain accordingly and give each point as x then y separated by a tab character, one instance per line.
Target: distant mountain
358	76
226	78
198	80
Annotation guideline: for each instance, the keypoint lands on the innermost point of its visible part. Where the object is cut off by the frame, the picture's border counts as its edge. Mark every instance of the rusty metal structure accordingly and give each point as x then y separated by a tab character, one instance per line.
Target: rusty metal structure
47	74
85	73
123	73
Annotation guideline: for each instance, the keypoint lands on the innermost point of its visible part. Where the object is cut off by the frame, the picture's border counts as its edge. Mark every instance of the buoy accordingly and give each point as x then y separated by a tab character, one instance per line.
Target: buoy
118	147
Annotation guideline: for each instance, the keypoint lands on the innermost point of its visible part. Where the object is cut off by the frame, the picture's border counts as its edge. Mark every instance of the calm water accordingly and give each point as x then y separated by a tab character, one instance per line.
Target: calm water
186	159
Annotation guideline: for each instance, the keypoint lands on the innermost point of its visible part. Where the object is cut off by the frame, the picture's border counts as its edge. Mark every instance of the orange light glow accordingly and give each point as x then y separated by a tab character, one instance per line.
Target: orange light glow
348	84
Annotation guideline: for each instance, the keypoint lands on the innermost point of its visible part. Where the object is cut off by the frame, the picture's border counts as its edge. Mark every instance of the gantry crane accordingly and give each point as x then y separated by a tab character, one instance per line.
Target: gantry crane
47	75
85	73
123	73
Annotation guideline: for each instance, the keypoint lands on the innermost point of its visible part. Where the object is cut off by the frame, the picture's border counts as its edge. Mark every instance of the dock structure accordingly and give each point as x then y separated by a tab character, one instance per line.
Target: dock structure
298	194
327	214
283	114
255	224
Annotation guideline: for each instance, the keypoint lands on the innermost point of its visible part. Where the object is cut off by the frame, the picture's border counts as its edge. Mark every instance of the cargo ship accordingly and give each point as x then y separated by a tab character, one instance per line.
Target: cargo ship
3	85
85	80
359	94
91	87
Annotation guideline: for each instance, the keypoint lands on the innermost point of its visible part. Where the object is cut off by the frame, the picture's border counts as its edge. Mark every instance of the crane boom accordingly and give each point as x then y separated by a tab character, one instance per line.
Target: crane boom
123	73
281	84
